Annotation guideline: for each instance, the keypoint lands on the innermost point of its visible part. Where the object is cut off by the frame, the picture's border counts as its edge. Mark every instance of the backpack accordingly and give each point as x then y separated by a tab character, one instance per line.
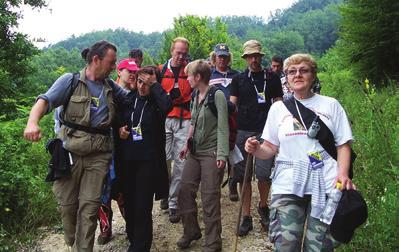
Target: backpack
232	114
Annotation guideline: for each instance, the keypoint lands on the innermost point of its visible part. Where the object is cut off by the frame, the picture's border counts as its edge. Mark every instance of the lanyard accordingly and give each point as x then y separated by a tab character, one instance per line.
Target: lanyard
264	79
142	112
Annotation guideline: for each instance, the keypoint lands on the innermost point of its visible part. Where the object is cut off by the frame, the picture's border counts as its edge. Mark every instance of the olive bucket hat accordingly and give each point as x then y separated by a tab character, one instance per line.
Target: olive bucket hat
252	47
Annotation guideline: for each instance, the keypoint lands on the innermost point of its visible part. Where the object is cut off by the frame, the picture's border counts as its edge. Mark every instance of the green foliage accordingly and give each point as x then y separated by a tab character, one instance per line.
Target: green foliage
376	129
202	33
371	30
125	41
26	201
14	54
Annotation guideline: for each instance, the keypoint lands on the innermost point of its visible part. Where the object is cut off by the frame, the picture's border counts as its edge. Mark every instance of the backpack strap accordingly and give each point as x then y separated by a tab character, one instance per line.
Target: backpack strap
163	71
325	136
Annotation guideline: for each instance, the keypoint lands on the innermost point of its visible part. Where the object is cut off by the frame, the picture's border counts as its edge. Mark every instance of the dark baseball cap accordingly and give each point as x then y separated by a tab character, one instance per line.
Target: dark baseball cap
350	214
222	50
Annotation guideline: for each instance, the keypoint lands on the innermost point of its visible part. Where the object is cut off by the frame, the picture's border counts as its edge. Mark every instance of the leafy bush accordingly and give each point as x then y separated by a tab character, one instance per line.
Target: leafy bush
374	115
26	201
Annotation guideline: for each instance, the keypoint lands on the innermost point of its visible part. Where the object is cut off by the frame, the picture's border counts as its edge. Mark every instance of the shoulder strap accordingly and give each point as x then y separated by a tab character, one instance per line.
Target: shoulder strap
74	85
165	66
211	100
325	136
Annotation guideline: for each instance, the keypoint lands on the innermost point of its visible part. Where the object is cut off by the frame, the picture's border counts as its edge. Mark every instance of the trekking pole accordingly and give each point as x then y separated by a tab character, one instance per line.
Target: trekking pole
248	166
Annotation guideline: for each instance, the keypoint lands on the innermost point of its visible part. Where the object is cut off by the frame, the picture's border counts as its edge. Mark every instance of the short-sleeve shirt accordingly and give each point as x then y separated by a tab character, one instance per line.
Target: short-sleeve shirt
251	114
286	132
59	92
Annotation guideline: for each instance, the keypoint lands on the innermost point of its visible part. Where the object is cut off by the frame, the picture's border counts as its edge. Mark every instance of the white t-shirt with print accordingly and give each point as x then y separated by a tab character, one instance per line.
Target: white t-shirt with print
284	131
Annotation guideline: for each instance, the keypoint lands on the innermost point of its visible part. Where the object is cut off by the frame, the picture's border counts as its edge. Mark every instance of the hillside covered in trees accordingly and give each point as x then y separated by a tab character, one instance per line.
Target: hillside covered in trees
355	42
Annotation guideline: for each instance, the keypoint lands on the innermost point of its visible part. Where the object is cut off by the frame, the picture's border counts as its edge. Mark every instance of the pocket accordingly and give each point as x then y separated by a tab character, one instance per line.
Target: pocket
274	226
77	106
78	142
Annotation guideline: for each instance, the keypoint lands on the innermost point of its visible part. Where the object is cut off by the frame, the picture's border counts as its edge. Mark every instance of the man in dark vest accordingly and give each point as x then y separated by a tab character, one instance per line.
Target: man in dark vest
86	118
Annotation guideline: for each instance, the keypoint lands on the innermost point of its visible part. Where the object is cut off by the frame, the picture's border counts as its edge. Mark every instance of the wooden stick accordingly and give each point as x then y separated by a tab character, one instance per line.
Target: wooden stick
248	166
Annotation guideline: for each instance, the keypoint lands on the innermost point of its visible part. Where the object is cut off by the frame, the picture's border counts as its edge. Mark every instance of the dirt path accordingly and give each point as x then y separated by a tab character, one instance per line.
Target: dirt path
166	234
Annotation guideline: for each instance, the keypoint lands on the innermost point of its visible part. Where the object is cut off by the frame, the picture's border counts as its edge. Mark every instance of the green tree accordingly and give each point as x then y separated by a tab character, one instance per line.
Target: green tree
285	44
14	54
371	30
202	32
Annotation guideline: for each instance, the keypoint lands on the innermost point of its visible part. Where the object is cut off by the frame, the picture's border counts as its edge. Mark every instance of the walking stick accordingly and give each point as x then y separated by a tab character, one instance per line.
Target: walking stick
248	166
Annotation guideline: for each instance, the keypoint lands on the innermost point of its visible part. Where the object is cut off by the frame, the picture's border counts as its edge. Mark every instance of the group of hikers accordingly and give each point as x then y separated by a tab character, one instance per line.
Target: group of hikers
167	131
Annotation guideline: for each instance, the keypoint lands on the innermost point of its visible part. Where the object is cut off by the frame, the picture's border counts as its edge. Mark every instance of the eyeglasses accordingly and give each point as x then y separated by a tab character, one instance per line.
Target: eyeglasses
302	71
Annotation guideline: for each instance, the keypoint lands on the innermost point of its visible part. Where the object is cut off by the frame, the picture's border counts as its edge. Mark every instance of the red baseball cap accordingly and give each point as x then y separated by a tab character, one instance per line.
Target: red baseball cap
128	64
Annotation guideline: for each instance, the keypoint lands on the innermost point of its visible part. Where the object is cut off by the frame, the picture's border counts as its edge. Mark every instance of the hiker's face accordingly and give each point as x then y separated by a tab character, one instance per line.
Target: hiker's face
277	67
143	87
300	77
222	62
139	61
254	61
106	65
179	53
194	80
128	78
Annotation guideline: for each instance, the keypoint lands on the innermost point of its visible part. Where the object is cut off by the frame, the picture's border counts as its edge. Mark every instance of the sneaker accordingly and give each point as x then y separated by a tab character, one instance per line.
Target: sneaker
264	216
185	241
164	204
233	194
246	226
103	239
174	217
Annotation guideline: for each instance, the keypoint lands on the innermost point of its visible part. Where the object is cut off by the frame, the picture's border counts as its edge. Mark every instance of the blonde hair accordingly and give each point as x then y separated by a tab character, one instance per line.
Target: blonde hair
301	58
179	39
200	67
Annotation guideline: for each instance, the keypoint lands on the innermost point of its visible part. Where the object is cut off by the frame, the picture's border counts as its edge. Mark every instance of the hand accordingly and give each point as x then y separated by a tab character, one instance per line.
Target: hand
346	182
252	145
148	79
221	164
183	153
124	132
32	132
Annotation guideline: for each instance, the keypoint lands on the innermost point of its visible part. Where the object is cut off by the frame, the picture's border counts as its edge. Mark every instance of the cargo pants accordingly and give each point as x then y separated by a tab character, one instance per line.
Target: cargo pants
176	138
288	215
201	168
78	198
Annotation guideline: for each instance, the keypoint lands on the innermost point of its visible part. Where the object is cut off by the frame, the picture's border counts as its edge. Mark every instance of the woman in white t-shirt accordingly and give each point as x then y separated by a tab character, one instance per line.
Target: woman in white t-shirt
299	189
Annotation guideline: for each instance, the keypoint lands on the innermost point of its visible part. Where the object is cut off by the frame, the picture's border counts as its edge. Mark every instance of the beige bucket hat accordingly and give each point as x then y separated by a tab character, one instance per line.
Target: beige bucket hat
252	47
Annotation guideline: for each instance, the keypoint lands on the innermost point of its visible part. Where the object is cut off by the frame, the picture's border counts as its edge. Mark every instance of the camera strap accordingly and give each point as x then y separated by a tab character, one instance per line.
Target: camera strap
325	136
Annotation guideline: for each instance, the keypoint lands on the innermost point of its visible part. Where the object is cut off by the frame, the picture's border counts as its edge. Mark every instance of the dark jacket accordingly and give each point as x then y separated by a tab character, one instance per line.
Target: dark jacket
152	147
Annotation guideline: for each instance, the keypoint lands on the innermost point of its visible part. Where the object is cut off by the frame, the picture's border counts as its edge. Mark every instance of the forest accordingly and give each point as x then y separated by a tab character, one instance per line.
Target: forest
356	44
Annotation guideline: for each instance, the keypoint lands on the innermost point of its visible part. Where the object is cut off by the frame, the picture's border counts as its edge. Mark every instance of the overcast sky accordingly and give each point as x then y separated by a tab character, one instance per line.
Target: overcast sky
62	18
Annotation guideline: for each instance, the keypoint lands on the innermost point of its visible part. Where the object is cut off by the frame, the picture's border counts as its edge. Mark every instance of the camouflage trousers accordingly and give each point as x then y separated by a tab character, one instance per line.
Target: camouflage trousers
290	221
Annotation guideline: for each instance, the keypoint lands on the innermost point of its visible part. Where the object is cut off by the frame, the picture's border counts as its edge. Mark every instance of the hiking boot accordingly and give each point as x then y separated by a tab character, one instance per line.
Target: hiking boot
174	217
264	216
164	204
185	241
233	194
103	239
246	226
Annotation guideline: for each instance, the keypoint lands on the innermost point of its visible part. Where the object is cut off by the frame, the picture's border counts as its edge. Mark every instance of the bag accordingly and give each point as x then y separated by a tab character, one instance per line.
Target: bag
232	114
325	136
60	162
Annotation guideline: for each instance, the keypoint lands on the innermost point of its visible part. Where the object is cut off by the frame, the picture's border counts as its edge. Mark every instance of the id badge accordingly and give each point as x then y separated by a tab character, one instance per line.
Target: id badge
137	134
316	160
261	98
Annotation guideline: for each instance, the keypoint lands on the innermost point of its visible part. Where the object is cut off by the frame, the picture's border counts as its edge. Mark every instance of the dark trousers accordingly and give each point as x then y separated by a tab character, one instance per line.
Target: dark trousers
139	196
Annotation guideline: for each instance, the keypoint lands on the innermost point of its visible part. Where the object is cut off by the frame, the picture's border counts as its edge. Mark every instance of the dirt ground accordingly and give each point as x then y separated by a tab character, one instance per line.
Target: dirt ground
166	234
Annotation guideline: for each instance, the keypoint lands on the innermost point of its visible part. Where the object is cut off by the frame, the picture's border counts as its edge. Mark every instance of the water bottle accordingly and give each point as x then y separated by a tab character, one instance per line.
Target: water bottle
331	205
